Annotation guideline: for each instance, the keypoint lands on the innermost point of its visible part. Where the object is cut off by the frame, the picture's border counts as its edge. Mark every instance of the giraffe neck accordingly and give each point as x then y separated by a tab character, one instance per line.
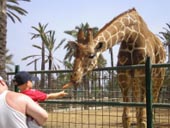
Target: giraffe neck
125	28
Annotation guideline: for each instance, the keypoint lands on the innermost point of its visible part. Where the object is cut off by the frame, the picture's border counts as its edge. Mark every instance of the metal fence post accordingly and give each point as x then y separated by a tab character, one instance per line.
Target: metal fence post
148	69
16	70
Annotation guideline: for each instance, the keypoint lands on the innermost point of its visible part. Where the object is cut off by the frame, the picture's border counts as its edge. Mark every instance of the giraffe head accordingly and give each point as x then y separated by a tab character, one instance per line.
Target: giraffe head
86	55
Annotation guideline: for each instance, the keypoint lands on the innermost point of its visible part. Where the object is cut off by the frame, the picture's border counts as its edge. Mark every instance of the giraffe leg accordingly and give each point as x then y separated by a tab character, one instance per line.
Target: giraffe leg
157	83
125	84
136	95
141	111
141	118
126	120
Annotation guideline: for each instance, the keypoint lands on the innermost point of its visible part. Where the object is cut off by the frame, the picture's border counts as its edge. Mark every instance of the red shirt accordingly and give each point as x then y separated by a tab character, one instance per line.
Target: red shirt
36	95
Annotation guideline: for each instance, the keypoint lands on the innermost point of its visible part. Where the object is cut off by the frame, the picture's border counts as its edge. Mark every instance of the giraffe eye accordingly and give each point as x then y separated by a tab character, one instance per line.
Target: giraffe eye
91	56
99	46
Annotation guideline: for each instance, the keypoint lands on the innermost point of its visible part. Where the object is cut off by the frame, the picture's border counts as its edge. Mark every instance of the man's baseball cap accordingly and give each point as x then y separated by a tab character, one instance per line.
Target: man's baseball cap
22	77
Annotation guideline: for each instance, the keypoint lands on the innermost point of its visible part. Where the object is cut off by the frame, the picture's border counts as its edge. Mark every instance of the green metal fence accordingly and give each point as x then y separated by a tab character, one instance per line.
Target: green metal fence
97	103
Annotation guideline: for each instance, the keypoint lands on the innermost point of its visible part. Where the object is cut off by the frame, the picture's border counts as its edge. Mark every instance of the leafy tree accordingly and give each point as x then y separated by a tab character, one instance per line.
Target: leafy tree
11	9
50	48
50	43
41	33
165	36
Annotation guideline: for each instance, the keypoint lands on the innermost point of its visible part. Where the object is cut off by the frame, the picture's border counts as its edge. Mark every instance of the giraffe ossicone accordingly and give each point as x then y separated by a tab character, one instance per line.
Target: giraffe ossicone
136	43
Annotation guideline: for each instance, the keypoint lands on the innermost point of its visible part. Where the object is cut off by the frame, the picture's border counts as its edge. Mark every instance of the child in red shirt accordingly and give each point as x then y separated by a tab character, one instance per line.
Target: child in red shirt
23	80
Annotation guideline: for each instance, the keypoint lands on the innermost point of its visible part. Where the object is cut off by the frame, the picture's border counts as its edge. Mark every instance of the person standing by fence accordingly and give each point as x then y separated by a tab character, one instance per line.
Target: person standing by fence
23	80
15	106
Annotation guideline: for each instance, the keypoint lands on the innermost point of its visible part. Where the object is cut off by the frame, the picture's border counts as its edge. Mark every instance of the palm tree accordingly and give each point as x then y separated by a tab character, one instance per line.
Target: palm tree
50	49
50	43
8	8
165	36
41	33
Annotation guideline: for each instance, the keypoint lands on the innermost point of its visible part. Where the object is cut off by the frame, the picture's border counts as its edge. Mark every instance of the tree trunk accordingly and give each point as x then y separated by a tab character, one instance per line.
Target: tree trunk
35	69
3	32
42	85
49	74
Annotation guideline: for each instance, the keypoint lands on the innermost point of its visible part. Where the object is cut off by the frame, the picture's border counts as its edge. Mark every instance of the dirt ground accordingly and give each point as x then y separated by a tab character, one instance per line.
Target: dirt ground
100	117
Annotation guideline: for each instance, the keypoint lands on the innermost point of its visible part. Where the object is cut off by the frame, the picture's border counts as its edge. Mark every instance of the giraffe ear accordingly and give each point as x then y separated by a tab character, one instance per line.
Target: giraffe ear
99	46
73	46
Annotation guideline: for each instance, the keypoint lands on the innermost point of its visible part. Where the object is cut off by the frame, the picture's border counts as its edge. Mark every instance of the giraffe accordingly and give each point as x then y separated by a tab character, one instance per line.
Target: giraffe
136	43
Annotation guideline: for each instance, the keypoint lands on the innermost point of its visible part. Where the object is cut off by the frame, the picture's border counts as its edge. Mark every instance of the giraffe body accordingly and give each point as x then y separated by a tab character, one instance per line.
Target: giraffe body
136	43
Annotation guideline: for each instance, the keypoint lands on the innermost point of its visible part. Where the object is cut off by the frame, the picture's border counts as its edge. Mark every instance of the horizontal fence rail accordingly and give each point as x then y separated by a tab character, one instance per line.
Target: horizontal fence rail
107	103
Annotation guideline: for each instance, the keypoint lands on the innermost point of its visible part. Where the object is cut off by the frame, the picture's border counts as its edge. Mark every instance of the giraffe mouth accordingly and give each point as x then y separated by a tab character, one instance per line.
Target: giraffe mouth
69	84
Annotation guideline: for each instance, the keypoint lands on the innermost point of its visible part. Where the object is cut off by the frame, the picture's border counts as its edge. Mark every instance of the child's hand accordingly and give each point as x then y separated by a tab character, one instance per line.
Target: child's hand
62	93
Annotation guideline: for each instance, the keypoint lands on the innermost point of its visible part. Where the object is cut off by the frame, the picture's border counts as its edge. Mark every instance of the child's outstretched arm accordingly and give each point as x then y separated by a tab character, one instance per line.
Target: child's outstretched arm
56	95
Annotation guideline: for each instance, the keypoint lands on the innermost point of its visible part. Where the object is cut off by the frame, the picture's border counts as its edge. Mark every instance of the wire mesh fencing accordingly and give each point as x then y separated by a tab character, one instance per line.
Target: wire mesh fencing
97	102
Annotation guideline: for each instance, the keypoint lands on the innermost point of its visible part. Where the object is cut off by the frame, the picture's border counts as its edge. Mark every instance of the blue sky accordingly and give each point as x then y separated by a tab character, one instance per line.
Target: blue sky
64	15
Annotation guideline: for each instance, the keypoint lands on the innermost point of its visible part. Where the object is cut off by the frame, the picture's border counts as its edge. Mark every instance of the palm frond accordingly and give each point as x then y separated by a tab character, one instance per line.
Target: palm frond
36	46
14	8
61	42
31	56
72	33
